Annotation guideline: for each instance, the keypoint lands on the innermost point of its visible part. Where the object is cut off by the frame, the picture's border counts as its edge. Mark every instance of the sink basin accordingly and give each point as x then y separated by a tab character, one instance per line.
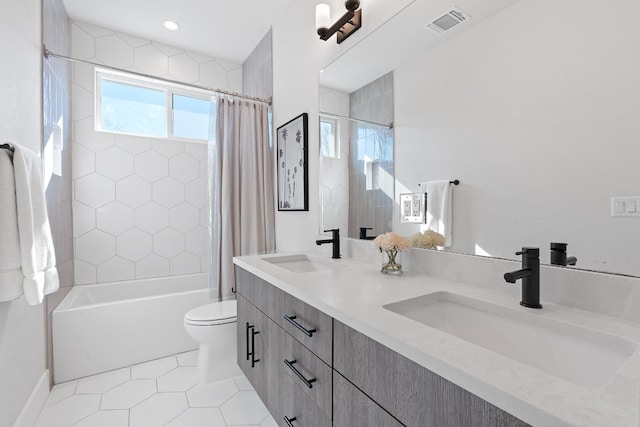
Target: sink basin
579	355
301	263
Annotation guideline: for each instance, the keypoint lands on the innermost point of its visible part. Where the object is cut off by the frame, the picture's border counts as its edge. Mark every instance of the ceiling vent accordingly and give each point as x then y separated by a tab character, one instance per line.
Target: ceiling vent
447	21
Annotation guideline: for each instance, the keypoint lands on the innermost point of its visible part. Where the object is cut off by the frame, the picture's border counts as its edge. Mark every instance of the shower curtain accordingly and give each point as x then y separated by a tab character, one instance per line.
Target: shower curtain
242	218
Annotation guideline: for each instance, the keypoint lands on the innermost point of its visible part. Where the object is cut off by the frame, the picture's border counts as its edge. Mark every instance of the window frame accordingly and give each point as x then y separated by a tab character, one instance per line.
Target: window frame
335	124
169	89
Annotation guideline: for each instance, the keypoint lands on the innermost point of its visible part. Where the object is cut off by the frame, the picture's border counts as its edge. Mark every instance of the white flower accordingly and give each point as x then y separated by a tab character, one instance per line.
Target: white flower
391	241
427	240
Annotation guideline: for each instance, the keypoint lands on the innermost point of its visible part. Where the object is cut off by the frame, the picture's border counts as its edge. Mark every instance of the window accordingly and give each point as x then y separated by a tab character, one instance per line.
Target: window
146	107
329	146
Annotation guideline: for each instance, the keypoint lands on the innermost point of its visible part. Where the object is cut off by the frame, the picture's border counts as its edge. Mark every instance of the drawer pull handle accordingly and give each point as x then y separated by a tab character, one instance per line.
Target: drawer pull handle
289	421
308	383
307	332
253	348
249	328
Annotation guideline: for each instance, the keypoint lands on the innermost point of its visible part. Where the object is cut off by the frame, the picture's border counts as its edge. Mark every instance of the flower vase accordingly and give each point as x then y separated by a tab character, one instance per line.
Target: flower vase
391	261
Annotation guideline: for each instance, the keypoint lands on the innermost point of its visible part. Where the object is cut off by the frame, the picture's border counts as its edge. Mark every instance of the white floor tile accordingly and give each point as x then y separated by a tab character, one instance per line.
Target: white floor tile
269	422
102	383
211	395
129	394
199	417
188	359
61	391
244	408
106	419
180	379
243	383
158	410
154	369
68	411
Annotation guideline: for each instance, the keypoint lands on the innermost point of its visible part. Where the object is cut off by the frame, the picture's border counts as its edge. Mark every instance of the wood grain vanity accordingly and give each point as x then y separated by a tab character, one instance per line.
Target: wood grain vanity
312	370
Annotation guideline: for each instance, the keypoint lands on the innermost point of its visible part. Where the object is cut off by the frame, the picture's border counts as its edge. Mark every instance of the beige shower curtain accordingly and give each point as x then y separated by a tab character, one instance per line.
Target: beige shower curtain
241	185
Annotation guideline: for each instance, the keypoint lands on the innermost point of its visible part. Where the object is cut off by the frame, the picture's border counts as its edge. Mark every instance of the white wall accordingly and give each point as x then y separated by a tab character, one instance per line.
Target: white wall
22	335
140	204
537	112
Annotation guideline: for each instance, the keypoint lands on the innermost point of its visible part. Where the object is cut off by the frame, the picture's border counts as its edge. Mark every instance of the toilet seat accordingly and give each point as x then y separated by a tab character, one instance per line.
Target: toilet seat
215	313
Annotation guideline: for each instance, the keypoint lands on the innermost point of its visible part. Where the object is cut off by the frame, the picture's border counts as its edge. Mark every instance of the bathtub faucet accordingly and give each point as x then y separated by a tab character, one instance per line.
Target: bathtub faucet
335	241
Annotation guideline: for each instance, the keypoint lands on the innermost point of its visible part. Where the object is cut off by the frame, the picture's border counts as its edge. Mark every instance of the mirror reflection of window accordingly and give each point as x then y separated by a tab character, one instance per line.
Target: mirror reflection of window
329	141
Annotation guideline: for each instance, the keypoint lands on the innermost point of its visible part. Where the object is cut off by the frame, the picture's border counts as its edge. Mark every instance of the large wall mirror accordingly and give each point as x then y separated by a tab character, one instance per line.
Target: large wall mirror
540	124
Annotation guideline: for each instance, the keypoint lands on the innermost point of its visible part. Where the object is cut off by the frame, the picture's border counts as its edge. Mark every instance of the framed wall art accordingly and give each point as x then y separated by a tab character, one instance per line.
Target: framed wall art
293	175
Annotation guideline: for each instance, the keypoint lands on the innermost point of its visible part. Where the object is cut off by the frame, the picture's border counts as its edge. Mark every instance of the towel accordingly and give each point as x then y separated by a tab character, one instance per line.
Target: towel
11	277
439	214
36	243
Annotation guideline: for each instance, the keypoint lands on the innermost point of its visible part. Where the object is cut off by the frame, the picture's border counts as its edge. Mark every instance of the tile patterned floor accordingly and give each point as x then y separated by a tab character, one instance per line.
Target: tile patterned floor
162	392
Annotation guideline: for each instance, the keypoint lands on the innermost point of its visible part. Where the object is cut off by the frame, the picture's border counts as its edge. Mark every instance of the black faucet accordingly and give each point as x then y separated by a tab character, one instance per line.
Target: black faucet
363	234
530	275
335	240
559	255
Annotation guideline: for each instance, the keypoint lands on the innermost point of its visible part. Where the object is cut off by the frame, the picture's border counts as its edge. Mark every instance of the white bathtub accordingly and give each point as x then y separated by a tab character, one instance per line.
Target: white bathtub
98	328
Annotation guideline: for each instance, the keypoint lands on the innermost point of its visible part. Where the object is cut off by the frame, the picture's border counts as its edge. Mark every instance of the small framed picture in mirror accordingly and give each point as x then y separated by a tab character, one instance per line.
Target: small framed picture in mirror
293	177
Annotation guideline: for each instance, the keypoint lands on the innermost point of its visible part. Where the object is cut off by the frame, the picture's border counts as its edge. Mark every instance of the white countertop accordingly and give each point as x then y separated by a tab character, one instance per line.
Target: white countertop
356	293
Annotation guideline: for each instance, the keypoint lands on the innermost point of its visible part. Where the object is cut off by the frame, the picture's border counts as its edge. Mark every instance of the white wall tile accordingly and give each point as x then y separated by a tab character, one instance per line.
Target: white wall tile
133	144
184	168
151	166
83	272
114	51
94	190
116	269
195	193
114	163
134	245
168	243
84	219
151	60
198	241
151	217
95	247
133	191
82	44
152	266
114	218
213	75
84	161
184	263
184	217
168	148
168	192
85	134
183	68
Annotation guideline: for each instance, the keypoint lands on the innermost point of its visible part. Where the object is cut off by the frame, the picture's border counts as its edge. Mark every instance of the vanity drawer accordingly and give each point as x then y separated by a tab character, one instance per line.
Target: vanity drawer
299	408
265	296
310	326
352	408
309	373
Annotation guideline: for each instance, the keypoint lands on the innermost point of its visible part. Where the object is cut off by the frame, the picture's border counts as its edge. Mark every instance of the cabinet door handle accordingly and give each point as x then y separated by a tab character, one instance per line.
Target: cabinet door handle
289	421
307	332
249	328
308	383
253	348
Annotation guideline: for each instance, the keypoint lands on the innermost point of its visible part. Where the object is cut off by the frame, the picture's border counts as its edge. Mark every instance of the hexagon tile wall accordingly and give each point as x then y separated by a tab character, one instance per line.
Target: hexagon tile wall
140	205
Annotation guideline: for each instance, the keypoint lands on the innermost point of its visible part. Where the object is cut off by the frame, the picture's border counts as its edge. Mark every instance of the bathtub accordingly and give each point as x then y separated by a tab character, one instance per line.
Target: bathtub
98	328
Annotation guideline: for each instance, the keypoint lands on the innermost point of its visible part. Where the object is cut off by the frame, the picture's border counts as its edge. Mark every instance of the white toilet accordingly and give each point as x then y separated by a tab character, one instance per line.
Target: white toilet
213	326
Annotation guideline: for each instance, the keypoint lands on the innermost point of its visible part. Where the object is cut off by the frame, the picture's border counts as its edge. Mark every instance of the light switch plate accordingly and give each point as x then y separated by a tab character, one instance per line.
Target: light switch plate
412	207
625	206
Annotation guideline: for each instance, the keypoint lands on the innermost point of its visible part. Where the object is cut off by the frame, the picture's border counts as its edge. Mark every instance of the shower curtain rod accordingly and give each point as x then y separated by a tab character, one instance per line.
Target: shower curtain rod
48	54
388	126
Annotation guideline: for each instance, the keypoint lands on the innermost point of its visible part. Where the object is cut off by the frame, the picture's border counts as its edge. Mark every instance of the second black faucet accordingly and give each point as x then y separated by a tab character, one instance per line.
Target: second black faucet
335	240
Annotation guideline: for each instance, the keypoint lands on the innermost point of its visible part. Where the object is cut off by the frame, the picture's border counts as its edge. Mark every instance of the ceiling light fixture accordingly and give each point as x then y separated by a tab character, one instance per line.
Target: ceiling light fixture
348	24
171	25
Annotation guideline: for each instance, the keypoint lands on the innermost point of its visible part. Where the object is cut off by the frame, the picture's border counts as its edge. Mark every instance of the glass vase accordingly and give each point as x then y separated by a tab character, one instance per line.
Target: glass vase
391	261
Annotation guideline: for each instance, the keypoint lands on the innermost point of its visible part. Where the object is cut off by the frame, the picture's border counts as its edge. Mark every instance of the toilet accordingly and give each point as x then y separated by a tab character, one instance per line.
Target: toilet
213	326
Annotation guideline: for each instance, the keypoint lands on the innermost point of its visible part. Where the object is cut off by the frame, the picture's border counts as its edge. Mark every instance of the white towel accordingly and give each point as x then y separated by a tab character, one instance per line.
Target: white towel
439	213
11	277
36	243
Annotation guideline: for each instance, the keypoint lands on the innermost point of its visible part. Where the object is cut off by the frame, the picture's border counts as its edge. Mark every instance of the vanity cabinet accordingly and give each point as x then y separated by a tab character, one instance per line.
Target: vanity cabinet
311	370
277	336
411	393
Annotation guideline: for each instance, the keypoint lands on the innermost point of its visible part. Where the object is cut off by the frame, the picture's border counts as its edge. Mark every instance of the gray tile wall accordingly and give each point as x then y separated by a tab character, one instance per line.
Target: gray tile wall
57	112
373	206
257	70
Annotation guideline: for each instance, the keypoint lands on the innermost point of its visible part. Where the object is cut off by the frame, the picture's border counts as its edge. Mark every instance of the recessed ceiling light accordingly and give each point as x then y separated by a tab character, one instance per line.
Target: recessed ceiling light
171	25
